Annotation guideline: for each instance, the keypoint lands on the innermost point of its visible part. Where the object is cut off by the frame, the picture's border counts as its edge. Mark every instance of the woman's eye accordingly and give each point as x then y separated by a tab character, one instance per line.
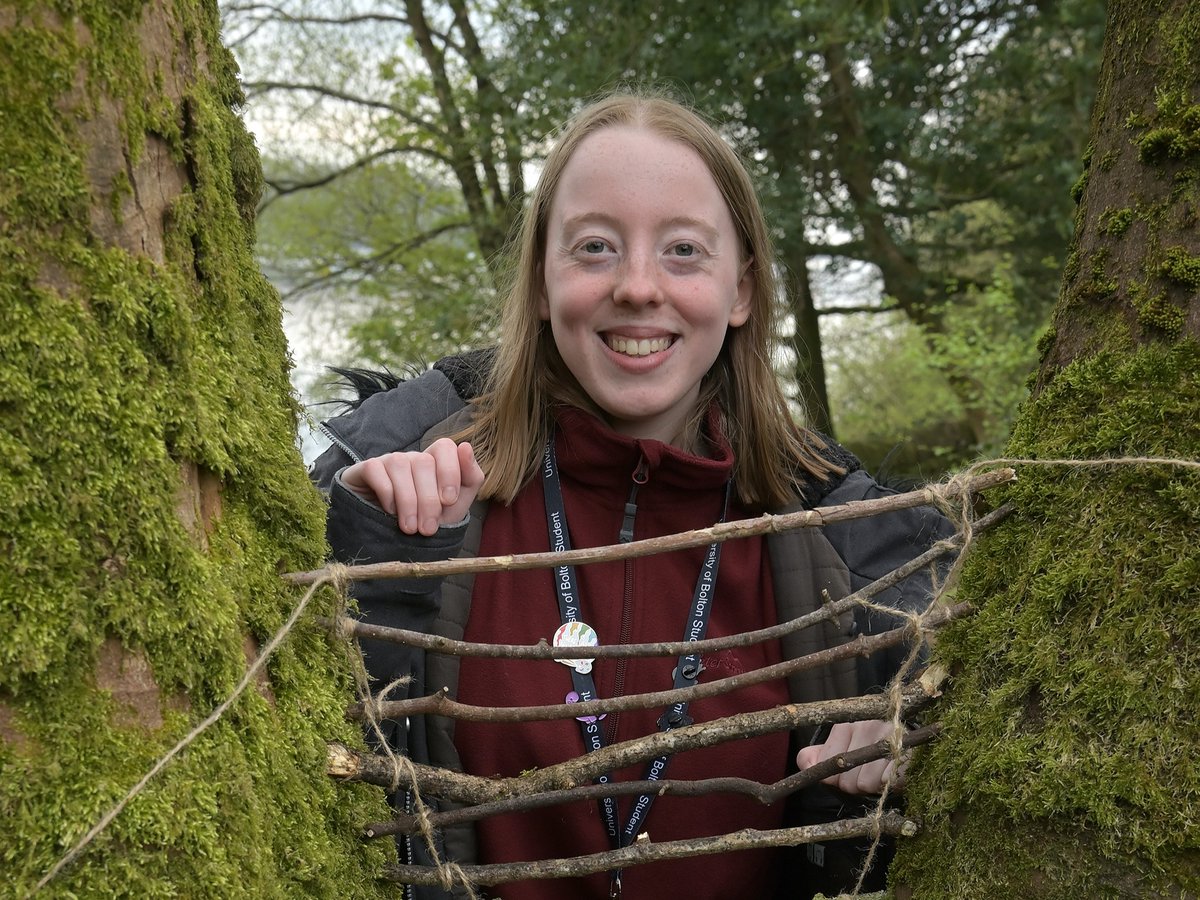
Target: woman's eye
594	247
685	249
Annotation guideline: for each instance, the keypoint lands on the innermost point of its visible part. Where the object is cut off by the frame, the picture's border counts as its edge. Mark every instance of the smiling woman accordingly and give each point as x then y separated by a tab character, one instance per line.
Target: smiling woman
631	396
643	276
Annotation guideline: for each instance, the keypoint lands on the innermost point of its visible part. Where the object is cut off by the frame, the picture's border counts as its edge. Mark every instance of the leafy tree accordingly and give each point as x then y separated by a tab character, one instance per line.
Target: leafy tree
150	486
395	244
907	135
406	129
1067	767
920	138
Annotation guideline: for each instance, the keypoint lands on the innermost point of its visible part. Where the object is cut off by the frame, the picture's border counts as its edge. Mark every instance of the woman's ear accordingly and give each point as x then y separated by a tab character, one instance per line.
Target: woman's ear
739	314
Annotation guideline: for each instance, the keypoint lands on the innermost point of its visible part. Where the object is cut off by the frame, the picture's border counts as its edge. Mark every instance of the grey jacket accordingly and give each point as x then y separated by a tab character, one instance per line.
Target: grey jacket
805	563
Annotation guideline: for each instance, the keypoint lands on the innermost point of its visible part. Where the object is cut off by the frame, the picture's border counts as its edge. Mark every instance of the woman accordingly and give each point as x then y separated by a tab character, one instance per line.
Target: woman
631	395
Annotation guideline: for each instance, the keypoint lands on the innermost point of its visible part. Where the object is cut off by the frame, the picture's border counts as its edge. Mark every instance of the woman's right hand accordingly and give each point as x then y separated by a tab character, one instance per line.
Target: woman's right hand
422	489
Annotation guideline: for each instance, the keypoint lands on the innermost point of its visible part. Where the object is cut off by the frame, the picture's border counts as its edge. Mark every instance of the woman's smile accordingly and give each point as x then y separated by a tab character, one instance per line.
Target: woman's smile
643	276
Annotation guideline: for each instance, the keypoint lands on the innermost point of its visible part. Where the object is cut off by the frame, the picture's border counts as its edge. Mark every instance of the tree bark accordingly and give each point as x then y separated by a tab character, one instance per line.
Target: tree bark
1067	764
150	483
806	345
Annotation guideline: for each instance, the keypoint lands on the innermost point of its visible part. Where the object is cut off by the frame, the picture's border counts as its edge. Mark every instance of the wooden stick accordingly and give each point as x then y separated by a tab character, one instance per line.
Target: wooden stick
808	518
645	850
440	704
765	793
542	649
351	765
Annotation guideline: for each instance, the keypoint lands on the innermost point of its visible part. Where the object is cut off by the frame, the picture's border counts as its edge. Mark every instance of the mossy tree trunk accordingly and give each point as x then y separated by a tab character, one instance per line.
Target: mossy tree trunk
1069	764
150	486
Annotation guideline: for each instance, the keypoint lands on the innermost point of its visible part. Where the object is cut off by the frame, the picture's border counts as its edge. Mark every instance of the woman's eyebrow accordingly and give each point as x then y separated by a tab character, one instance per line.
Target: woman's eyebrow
707	229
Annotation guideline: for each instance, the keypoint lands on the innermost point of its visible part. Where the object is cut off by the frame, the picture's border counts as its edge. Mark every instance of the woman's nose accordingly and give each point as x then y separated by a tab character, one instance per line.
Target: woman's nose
638	280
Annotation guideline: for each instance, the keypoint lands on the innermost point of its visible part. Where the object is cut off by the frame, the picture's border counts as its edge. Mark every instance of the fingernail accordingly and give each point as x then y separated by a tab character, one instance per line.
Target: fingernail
429	526
449	495
410	524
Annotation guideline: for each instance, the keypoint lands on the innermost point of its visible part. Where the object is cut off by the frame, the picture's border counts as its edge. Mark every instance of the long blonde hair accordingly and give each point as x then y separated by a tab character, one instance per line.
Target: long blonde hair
513	417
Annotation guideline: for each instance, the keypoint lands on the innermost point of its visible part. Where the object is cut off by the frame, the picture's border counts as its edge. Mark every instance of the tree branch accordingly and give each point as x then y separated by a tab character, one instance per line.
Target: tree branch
283	188
645	850
851	310
440	704
542	650
766	794
809	518
366	262
347	764
401	112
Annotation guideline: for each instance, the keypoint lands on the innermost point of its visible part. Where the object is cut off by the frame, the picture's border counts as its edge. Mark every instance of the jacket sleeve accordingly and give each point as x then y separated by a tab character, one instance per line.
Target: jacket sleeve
361	532
871	548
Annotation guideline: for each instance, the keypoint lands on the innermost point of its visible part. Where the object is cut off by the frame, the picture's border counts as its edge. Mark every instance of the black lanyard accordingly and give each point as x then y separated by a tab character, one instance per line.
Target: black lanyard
687	668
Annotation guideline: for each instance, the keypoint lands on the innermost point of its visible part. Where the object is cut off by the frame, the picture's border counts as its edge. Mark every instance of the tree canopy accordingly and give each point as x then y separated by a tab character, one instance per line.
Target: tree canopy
916	156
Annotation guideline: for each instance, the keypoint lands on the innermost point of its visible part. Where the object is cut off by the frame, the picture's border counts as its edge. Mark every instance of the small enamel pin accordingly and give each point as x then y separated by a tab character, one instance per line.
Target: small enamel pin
573	697
576	634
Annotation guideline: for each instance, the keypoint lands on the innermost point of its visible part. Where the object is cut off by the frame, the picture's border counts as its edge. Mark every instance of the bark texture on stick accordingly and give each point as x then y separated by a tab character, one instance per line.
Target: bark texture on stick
440	704
1068	763
808	518
644	851
764	793
347	764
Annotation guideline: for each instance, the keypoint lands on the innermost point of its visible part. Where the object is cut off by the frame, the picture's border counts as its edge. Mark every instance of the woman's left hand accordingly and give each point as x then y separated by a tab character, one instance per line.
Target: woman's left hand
868	778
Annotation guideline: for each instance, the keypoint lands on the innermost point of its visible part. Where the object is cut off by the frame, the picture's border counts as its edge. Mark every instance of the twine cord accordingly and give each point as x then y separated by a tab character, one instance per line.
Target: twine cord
450	873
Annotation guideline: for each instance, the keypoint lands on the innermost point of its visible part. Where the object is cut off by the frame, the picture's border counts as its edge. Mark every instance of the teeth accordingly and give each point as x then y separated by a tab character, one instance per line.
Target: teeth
643	347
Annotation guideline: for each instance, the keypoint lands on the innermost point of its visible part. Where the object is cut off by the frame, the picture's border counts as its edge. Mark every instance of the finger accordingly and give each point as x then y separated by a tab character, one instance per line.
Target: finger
400	477
836	744
867	778
470	479
370	479
472	474
808	756
446	468
844	738
428	499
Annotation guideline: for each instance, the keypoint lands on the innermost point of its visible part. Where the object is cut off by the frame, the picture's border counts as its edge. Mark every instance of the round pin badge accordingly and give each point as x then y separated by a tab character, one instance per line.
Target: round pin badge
576	634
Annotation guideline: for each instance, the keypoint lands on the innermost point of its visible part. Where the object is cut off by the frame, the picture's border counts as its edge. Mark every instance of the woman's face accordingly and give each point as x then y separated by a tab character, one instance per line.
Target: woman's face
642	277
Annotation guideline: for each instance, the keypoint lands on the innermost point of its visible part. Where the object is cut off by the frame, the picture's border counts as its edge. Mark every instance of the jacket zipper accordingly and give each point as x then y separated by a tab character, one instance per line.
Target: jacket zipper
641	474
346	448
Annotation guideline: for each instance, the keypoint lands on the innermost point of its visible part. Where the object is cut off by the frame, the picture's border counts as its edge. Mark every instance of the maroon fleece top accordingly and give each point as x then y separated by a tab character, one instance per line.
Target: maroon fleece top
633	601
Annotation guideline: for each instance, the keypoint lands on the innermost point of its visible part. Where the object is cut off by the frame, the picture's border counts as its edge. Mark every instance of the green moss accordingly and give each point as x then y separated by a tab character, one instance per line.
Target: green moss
1069	751
1155	311
1079	187
1176	135
1071	266
1161	144
119	373
1181	267
1046	341
1115	222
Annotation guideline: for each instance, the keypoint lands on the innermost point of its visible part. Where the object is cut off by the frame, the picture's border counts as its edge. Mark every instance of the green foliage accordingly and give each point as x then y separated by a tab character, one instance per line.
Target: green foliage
120	374
392	247
890	384
930	141
959	131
